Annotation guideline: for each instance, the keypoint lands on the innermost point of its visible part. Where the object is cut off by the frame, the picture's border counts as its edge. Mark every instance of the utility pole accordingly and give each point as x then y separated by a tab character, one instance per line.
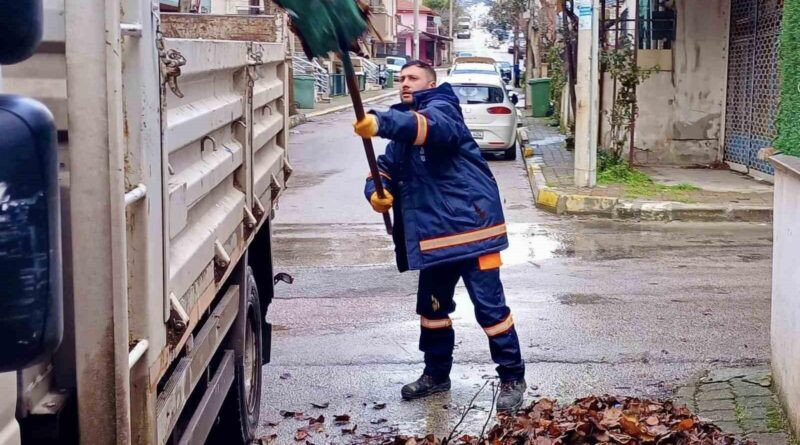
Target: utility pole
452	19
532	59
587	113
416	30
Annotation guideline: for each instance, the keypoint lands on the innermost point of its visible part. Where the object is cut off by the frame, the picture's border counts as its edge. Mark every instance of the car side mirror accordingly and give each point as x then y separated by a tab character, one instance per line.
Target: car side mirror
32	319
513	98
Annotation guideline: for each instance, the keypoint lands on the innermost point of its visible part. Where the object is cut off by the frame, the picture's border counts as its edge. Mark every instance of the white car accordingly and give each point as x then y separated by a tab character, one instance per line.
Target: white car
489	111
474	65
394	64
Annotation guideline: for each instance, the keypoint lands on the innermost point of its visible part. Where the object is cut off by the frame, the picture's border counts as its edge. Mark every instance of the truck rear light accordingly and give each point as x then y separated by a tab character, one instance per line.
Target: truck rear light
499	110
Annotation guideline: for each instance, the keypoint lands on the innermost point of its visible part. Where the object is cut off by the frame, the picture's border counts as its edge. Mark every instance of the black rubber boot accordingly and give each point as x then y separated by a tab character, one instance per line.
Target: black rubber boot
511	396
423	387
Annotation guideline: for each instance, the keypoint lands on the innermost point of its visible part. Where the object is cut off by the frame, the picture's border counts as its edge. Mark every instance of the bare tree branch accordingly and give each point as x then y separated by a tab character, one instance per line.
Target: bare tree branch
495	392
464	415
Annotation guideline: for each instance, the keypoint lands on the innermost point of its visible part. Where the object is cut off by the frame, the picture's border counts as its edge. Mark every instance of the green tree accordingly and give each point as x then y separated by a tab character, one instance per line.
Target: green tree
437	5
621	64
506	14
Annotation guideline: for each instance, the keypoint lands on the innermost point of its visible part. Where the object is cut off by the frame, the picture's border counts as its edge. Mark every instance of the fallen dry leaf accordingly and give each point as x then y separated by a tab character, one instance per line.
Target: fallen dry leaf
301	435
313	420
341	418
349	430
685	424
658	430
269	440
285	376
652	421
630	426
378	421
379	406
320	405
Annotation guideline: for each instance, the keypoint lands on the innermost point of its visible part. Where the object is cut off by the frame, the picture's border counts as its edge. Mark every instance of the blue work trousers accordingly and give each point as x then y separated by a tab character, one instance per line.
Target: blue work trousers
435	304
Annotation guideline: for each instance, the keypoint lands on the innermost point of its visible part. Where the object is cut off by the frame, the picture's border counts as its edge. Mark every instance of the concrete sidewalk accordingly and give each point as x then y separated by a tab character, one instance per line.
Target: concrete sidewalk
703	194
339	103
741	402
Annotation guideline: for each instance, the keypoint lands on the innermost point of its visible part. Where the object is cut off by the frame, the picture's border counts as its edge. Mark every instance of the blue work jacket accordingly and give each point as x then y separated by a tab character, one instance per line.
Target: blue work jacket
447	205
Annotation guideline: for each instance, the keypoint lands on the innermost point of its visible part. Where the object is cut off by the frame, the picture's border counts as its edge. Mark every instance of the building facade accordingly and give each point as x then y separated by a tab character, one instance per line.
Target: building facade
434	46
714	95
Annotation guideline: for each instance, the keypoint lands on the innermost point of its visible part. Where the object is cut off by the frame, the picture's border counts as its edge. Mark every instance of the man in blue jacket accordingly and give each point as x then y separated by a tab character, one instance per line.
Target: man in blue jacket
448	224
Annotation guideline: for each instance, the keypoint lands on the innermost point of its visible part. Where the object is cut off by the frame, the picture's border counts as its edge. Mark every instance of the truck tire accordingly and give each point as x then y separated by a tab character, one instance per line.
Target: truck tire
242	408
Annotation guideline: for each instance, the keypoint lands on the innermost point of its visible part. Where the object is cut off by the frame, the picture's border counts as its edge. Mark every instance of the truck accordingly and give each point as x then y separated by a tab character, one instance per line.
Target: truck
148	284
464	26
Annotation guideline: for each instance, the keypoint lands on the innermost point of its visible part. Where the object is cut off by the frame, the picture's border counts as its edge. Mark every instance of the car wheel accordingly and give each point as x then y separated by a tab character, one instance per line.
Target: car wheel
242	408
511	153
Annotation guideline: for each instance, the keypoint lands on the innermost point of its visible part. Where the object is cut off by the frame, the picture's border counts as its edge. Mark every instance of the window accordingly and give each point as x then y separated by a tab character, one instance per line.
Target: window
478	94
474	68
656	24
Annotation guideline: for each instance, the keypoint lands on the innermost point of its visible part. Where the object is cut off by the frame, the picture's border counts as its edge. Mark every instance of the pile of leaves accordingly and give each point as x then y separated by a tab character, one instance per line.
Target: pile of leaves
594	420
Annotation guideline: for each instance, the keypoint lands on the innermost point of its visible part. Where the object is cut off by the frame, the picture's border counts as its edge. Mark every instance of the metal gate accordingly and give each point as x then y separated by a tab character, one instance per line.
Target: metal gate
753	81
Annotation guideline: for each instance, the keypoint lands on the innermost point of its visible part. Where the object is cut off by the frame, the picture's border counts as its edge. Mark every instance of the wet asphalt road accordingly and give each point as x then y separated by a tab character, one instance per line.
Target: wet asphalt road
600	307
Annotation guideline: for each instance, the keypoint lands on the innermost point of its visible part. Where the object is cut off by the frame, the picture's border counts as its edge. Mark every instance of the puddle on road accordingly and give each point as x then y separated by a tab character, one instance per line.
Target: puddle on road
530	243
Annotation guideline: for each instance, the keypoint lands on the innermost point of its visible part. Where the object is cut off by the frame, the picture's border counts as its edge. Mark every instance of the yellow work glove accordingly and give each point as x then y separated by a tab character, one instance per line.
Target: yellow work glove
381	205
367	127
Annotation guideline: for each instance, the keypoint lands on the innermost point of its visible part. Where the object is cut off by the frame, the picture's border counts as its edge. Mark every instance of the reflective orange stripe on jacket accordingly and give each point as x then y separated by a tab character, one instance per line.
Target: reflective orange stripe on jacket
422	129
462	238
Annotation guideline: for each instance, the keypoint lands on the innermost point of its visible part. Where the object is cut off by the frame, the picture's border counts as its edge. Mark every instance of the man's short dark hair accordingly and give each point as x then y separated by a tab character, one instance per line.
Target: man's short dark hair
420	64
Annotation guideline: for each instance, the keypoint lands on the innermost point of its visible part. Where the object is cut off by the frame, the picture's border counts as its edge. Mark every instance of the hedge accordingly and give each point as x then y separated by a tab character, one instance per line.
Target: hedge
789	114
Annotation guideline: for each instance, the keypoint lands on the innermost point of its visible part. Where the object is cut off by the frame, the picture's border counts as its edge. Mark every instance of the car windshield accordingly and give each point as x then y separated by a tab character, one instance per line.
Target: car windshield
504	64
474	68
478	94
399	61
463	54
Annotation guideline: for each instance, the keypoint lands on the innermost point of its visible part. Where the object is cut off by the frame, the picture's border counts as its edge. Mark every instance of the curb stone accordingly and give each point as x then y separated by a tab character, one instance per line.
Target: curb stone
561	203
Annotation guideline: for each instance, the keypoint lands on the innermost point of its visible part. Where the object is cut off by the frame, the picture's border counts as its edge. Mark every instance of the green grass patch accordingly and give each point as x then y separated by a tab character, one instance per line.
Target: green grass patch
741	417
776	421
637	184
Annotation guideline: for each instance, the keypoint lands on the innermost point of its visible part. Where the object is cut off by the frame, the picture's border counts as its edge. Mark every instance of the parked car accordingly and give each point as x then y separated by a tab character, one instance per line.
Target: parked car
505	70
489	111
500	33
394	64
520	42
474	65
463	34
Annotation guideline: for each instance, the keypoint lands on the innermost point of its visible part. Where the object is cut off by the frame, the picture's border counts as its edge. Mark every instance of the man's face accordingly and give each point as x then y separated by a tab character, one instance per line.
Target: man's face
413	79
